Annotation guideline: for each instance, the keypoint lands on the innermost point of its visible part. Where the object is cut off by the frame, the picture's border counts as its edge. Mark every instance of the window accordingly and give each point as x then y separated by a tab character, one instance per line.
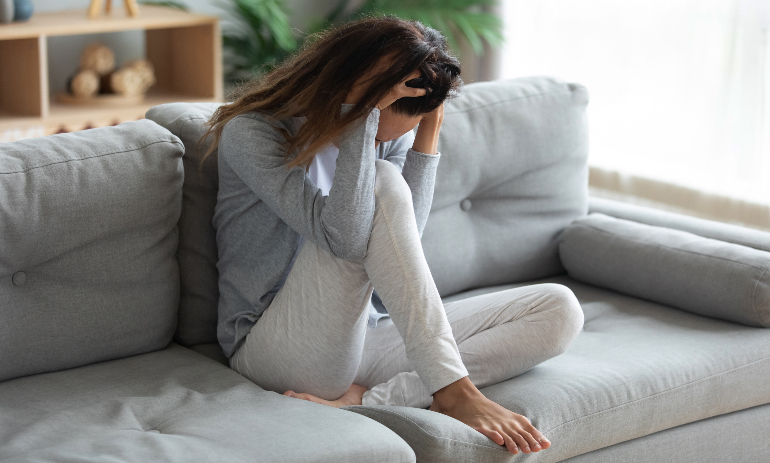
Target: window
679	89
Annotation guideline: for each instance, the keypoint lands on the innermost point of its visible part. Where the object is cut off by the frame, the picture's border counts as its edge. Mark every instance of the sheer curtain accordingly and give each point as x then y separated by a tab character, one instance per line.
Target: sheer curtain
680	89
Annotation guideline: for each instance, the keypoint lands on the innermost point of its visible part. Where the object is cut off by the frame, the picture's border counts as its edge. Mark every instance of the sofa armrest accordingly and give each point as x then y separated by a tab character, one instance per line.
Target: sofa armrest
680	269
707	228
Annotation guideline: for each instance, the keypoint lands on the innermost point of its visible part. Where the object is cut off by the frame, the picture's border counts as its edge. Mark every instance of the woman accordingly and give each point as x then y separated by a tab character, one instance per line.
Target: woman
324	192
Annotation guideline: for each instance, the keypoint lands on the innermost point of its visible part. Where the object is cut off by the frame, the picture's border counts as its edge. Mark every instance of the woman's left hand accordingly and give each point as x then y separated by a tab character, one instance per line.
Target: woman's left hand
401	91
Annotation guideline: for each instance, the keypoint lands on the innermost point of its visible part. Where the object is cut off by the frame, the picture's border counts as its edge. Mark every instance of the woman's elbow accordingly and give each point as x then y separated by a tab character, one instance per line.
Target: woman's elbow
348	239
349	249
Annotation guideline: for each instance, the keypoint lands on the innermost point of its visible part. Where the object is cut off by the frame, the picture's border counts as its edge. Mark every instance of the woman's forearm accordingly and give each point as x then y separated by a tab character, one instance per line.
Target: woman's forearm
426	140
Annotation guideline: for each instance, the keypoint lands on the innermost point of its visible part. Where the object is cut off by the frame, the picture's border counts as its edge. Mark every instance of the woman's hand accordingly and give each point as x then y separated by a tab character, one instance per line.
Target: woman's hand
426	140
401	91
398	91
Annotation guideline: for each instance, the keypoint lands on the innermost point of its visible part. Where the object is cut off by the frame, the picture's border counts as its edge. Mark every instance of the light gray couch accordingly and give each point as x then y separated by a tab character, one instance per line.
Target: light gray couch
108	292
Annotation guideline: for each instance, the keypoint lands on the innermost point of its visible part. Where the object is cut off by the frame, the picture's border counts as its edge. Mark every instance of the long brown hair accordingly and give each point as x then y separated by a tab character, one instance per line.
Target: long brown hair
315	82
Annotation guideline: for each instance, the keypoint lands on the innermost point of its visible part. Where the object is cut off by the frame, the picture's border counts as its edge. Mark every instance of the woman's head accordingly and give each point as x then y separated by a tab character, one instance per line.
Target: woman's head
315	82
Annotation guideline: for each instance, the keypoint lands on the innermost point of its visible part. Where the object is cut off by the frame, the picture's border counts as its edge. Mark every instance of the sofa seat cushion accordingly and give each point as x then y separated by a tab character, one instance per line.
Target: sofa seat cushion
637	368
436	438
177	405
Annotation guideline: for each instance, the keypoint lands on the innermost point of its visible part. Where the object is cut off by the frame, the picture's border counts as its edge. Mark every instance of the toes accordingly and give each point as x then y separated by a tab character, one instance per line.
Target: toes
510	444
534	445
539	437
290	394
544	442
494	435
521	442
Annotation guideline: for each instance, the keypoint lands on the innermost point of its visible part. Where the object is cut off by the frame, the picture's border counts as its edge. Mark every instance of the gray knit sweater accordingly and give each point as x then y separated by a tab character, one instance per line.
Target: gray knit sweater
263	207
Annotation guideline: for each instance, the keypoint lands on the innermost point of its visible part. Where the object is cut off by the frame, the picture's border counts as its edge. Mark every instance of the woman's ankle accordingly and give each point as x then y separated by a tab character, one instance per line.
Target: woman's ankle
449	396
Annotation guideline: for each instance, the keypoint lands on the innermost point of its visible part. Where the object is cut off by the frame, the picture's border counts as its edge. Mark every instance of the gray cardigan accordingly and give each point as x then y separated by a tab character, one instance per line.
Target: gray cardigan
263	207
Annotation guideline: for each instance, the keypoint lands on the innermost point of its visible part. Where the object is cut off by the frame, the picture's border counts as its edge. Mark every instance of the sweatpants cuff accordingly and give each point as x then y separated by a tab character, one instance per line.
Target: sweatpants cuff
437	362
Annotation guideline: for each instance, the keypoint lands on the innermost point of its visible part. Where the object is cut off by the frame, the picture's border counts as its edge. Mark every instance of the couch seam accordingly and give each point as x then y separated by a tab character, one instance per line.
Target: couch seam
181	127
91	157
432	435
460	111
754	297
635	402
673	249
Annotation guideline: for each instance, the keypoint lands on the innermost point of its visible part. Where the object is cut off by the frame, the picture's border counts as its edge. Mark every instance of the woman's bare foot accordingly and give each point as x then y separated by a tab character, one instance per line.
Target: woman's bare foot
463	401
353	396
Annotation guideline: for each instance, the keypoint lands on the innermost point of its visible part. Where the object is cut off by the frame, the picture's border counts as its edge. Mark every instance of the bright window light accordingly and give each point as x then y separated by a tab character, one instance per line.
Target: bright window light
679	89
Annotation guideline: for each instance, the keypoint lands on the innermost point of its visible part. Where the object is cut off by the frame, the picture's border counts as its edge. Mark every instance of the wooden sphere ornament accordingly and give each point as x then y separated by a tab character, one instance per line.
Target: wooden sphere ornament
127	82
145	71
85	84
97	57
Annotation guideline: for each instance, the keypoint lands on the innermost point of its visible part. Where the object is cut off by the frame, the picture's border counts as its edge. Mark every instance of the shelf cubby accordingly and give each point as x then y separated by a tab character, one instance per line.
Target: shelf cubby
184	48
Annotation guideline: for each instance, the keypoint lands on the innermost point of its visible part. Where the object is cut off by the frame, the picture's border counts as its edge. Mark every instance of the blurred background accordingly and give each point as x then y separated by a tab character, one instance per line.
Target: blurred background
680	89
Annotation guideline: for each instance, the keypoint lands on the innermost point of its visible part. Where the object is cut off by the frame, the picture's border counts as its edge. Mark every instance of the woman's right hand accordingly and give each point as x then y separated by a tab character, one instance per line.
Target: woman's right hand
426	140
398	91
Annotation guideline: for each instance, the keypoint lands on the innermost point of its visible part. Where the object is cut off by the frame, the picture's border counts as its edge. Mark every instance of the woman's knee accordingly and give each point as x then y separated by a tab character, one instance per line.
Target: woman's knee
566	312
390	186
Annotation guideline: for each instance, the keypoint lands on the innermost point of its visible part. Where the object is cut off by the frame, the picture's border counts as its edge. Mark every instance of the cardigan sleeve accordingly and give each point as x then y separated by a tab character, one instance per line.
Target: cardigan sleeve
419	171
340	222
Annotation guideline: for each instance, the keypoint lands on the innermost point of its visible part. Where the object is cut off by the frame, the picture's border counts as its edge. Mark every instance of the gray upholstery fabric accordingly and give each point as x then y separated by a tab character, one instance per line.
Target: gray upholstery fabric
439	438
710	229
698	442
197	253
636	369
436	438
686	271
175	405
88	226
512	175
213	351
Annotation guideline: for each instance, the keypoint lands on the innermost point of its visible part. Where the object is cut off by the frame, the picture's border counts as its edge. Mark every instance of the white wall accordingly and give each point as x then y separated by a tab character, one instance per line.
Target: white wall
64	52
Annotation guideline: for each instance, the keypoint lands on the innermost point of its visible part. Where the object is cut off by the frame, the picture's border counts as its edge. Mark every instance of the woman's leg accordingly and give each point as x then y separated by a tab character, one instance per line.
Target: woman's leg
500	335
311	337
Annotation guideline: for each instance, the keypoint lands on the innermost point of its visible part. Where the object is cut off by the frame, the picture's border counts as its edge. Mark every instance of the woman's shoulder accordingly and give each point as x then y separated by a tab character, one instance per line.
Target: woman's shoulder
256	129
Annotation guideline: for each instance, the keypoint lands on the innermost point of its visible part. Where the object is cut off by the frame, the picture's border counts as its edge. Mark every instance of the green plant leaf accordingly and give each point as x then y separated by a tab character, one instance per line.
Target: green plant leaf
459	20
260	37
169	4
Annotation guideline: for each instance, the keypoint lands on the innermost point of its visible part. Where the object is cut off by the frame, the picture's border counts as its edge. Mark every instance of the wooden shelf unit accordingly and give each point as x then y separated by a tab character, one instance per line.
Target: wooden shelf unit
184	48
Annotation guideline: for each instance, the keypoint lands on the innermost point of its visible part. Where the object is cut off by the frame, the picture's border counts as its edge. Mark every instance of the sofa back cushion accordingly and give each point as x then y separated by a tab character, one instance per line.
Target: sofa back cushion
197	254
512	176
88	229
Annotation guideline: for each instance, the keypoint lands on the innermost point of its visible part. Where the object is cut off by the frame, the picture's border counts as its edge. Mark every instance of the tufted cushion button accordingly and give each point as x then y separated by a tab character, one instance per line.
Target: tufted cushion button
19	278
465	205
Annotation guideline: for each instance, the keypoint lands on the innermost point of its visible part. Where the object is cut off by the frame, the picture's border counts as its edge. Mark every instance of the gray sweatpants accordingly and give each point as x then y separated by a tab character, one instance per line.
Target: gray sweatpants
314	336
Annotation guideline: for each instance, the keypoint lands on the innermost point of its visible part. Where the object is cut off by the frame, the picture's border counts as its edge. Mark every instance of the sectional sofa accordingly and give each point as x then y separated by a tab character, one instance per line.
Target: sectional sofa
108	304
